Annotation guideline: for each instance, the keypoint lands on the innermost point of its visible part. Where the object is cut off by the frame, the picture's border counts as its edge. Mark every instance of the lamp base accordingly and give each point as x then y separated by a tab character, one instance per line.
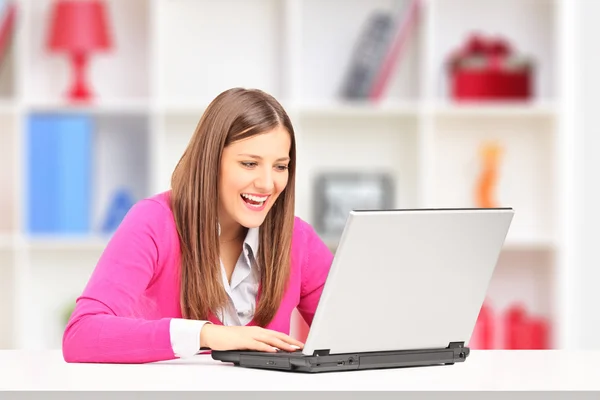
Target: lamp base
80	93
80	90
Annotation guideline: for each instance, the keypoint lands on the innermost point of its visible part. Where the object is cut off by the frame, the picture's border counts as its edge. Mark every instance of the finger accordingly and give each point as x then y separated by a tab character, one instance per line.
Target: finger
261	346
289	339
274	341
280	344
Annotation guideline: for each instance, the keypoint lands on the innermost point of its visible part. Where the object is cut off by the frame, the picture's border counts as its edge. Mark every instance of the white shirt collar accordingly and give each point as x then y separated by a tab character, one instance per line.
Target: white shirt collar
252	239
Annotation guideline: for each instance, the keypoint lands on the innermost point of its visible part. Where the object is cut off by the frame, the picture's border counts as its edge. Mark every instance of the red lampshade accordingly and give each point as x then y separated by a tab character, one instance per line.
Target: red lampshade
79	26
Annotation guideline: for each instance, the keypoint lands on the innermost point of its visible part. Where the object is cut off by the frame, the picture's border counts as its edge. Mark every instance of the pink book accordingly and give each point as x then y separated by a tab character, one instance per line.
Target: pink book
393	55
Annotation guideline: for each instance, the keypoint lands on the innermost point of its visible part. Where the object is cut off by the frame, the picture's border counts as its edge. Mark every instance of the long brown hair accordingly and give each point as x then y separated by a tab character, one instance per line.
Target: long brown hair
233	115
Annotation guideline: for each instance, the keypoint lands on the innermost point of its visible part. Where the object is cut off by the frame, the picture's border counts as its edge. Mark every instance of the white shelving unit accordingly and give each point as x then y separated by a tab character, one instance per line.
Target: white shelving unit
173	56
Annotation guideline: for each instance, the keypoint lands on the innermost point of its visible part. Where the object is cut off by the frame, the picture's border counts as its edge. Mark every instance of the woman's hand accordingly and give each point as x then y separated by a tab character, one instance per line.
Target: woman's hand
218	337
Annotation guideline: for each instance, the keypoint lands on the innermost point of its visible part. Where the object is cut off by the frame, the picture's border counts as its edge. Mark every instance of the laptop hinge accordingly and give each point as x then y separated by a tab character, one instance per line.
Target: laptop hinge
320	353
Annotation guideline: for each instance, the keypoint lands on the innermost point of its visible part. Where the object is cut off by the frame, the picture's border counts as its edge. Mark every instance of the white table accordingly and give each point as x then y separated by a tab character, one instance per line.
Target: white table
483	370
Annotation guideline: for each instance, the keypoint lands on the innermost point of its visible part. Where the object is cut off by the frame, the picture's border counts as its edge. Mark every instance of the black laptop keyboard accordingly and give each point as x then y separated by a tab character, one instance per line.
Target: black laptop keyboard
289	352
279	352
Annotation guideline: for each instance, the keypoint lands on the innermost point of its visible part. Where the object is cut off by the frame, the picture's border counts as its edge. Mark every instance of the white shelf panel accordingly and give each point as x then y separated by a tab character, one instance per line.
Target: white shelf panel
183	108
8	138
355	109
117	107
201	54
7	241
52	296
513	243
6	298
67	243
8	106
496	109
176	131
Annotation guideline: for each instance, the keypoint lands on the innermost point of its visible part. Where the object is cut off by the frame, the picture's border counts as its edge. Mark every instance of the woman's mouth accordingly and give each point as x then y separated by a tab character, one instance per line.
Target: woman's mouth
254	202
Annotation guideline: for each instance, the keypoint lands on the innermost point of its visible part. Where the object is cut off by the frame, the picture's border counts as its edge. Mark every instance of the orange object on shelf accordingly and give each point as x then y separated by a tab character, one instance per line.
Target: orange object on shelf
490	155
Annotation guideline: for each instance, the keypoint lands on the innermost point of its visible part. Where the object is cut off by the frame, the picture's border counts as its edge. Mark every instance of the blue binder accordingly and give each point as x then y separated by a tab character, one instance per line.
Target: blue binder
59	174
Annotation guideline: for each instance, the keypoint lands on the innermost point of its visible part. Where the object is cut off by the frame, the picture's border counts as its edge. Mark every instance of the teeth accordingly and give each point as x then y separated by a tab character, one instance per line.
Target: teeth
254	198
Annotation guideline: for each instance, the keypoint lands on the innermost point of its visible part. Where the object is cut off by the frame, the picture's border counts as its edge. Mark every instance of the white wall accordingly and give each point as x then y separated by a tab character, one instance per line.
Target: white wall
586	273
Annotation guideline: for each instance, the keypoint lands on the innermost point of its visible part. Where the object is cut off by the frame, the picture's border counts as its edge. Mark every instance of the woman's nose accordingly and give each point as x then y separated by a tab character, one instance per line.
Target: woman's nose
265	181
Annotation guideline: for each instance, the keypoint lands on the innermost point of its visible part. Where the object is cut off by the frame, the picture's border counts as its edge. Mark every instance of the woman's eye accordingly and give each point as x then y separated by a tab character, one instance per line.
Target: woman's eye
248	164
282	167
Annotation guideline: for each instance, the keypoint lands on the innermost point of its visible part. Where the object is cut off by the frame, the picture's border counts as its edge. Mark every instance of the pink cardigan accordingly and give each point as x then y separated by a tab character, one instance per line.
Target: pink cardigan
124	312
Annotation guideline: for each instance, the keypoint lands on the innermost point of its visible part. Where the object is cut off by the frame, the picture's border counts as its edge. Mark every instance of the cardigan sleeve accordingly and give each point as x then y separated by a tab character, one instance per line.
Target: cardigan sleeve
103	326
317	262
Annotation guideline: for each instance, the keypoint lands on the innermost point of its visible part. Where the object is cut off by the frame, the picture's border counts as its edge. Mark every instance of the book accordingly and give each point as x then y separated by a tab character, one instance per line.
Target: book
367	54
8	11
407	22
59	158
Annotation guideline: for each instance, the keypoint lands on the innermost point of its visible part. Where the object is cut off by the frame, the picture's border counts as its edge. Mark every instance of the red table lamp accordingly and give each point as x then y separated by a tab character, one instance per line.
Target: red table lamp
79	27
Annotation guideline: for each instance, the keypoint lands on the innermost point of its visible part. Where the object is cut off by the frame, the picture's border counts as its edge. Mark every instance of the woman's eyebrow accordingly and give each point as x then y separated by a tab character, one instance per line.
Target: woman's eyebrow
260	158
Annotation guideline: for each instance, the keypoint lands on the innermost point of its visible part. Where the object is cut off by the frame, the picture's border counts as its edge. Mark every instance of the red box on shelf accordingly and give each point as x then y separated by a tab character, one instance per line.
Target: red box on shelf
487	69
468	85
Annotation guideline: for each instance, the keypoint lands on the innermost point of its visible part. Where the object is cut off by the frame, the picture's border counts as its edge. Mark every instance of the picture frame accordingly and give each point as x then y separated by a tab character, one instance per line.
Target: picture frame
337	193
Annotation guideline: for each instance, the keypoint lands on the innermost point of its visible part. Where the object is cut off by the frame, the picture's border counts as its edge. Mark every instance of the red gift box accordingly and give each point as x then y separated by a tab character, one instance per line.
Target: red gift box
487	68
525	331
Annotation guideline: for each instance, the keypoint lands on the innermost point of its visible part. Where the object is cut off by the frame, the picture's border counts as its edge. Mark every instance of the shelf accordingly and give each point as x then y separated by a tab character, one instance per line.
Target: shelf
176	131
529	244
8	106
172	57
496	109
358	109
66	243
124	107
183	108
519	245
7	241
6	297
8	178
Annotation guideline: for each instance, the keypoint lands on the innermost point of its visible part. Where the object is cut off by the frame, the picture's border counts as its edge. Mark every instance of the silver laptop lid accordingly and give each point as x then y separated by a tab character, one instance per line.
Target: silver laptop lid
408	279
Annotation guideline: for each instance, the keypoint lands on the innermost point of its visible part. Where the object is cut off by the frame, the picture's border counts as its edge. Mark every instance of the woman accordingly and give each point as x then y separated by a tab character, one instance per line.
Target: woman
218	262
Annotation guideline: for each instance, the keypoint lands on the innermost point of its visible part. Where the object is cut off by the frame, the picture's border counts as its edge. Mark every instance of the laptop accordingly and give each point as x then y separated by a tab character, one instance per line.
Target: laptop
404	290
